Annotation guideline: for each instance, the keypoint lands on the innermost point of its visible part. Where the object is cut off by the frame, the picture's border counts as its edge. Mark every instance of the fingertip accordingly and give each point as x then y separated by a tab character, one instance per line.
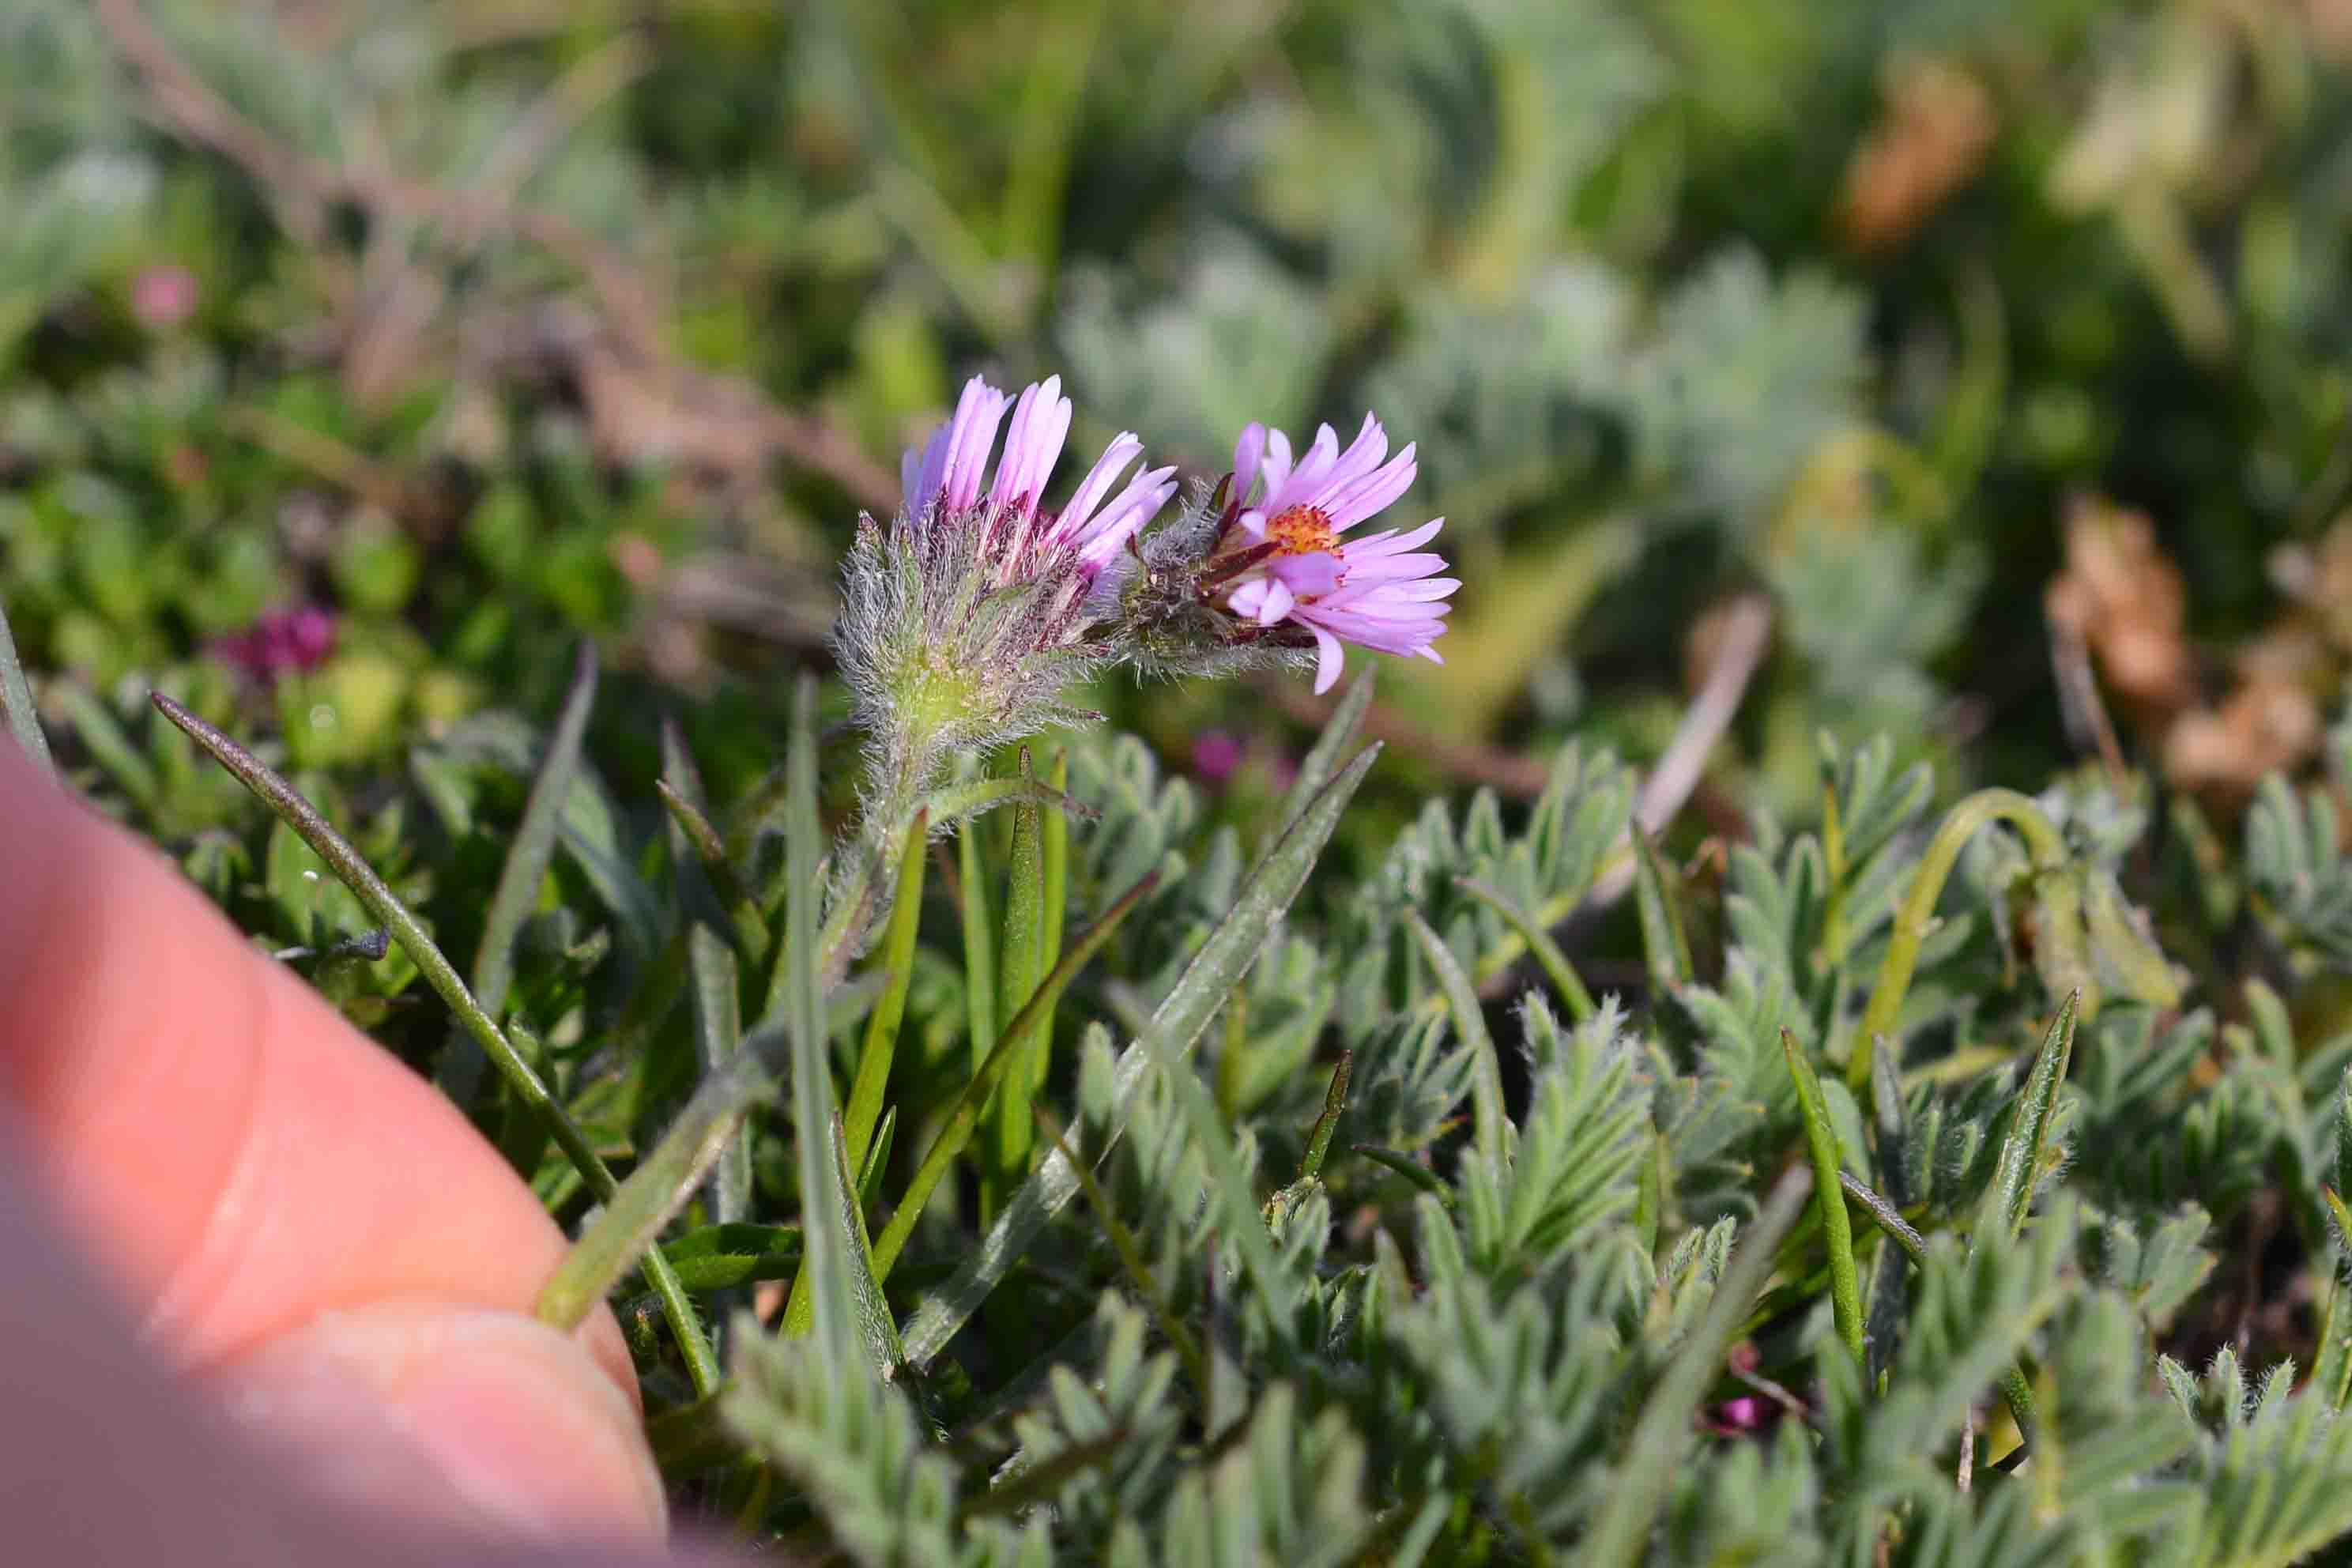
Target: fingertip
480	1420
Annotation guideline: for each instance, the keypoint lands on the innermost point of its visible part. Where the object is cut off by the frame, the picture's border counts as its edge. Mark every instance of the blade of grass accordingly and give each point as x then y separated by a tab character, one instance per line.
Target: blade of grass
1265	894
719	1031
1837	1231
956	1133
565	1311
1651	1457
979	948
827	1308
750	928
1563	975
1489	1121
517	892
633	1213
16	703
881	1044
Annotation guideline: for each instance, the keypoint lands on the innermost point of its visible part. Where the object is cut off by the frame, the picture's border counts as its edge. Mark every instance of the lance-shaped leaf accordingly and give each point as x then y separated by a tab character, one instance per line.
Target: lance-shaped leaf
2020	1164
1829	1198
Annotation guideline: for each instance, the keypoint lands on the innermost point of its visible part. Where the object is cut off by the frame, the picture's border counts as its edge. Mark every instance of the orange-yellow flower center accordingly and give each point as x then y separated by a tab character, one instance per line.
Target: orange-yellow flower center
1300	531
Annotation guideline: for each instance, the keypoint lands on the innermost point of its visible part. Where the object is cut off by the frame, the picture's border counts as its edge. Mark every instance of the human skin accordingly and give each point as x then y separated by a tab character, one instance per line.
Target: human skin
265	1295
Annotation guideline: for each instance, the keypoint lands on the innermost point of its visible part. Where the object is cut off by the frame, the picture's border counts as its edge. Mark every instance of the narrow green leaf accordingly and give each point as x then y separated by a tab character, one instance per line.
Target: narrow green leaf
1889	1218
956	1133
1318	1137
1822	1139
1652	1457
1404	1166
2019	1162
1563	975
1055	843
957	804
1657	899
876	1326
2332	1374
16	703
722	1257
1206	982
1488	1118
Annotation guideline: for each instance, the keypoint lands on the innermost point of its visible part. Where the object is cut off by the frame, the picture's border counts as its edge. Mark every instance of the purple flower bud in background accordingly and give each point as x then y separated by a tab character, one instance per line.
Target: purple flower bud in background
281	643
164	296
1216	753
1737	1417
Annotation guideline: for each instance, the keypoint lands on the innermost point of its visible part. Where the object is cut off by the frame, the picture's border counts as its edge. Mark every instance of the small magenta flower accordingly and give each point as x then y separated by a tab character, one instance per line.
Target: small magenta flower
1280	556
164	296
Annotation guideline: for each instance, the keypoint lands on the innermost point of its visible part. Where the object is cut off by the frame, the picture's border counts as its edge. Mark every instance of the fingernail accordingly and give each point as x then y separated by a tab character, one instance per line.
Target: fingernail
489	1421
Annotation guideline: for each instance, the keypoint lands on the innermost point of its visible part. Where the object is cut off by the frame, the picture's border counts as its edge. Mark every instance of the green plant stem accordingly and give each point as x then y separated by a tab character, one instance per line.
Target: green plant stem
1917	912
554	1305
1556	966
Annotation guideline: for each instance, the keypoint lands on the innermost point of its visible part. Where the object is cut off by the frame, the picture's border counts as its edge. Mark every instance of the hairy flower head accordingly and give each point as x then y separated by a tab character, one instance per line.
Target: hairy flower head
966	617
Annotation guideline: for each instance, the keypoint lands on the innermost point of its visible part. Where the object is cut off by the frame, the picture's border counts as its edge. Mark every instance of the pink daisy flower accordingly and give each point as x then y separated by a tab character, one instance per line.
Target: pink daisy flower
944	479
1280	557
